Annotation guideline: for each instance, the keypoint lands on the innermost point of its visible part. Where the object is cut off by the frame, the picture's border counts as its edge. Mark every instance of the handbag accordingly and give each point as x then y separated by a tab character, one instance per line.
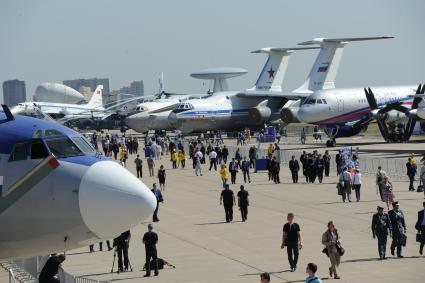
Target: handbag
340	249
418	237
420	189
404	240
325	251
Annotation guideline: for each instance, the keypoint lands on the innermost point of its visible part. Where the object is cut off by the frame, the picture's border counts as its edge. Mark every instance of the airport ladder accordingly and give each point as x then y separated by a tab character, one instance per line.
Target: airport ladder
17	273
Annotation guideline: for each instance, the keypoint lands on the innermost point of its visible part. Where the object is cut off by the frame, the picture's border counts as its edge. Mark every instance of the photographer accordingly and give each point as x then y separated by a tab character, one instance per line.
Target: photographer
122	243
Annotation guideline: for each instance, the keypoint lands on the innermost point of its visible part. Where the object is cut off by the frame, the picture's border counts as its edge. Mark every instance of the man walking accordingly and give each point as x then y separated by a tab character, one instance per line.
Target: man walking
50	269
381	225
233	169
243	202
420	226
225	153
398	227
213	159
245	170
198	160
294	166
327	160
158	196
320	166
380	181
292	240
139	165
151	166
150	239
411	172
275	170
345	182
357	183
227	199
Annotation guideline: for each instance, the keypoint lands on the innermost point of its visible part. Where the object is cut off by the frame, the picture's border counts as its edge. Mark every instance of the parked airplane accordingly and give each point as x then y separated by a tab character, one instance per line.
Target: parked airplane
153	115
58	193
261	104
60	110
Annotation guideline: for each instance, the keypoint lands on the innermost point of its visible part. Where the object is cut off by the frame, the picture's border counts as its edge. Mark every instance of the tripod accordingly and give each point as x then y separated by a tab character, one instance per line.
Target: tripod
113	262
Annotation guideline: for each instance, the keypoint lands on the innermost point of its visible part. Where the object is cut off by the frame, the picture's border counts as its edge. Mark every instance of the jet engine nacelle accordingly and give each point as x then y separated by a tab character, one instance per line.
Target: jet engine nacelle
420	112
259	114
289	115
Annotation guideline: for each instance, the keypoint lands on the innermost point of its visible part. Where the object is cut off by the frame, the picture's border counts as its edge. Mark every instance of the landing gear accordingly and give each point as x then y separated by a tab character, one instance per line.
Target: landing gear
331	143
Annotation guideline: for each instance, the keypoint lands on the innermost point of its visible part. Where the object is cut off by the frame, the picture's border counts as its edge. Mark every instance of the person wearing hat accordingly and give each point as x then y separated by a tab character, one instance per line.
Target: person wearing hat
420	226
381	226
398	227
150	239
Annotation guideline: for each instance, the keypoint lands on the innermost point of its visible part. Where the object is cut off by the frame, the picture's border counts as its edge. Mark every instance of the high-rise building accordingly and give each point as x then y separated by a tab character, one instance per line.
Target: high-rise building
77	84
136	88
14	92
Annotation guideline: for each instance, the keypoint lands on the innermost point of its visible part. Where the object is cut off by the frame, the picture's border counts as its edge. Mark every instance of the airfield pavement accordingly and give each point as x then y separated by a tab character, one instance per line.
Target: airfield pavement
194	236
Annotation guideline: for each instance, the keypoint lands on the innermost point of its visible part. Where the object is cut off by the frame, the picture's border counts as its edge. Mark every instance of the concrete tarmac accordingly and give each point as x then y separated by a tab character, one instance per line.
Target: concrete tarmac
194	236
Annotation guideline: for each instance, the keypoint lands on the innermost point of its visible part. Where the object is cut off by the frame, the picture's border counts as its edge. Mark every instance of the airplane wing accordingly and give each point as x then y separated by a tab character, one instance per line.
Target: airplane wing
163	109
273	94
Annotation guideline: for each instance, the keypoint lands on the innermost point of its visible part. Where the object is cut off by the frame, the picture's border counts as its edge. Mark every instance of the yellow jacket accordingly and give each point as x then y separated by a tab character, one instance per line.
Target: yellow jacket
224	173
174	156
181	156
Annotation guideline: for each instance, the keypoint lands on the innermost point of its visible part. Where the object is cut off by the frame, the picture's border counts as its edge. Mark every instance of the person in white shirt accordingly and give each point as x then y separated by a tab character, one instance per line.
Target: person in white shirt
345	183
357	183
213	159
198	168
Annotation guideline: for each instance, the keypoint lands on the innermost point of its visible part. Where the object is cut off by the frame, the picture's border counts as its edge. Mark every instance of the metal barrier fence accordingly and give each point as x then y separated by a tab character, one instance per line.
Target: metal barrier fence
27	270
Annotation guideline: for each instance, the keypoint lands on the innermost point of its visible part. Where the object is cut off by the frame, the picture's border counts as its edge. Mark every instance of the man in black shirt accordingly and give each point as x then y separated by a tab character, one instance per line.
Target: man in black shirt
292	240
227	198
150	239
50	269
243	202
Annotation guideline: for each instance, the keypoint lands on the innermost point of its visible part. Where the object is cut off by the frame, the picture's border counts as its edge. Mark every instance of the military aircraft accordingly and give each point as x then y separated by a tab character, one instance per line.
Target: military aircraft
58	193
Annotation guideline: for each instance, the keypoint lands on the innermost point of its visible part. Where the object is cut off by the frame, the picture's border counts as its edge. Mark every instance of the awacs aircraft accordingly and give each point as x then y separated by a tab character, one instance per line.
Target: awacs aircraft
264	102
153	115
58	193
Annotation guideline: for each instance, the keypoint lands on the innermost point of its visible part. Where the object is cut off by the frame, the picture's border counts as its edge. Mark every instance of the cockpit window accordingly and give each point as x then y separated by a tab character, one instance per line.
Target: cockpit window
319	101
38	150
37	134
52	133
20	152
324	101
63	147
83	145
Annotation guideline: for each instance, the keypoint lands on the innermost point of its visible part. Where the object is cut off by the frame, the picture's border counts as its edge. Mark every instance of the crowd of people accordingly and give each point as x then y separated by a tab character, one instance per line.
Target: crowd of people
314	166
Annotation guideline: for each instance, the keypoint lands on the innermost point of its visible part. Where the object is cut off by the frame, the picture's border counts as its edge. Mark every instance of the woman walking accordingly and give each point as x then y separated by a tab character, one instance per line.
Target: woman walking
161	177
331	241
182	158
388	194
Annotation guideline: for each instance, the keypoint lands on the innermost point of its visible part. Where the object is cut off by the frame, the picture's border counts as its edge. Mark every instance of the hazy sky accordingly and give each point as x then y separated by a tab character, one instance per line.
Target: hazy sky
127	40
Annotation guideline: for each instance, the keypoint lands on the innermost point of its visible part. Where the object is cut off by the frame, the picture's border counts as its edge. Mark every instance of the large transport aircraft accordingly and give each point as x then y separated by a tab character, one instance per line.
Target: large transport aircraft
58	193
265	102
153	115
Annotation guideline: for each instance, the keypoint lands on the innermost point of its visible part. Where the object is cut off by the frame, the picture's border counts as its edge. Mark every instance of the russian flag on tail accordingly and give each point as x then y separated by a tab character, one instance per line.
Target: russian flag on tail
323	68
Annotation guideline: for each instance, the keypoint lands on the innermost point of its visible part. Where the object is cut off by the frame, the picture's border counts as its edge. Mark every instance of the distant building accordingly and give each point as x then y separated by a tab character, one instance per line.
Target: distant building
14	92
136	88
79	84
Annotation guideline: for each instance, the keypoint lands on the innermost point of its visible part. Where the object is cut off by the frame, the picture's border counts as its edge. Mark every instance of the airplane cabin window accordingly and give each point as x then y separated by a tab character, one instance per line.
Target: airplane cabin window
83	145
53	133
38	150
20	152
324	101
63	147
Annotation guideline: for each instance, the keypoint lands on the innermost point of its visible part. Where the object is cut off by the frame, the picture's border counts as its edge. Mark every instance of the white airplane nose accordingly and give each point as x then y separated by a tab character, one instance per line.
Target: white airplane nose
112	200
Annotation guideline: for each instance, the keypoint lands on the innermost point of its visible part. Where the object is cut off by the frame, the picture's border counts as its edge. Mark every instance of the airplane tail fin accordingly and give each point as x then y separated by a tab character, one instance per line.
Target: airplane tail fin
272	75
325	68
96	99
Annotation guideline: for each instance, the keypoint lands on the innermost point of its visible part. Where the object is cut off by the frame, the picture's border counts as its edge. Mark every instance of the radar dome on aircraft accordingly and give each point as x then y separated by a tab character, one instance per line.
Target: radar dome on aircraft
57	93
219	76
